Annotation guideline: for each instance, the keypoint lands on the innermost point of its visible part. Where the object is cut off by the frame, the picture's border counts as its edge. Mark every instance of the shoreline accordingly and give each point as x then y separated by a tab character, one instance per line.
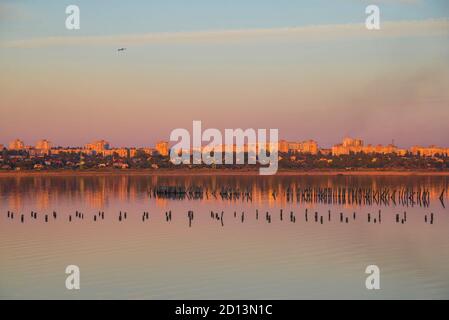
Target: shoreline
219	172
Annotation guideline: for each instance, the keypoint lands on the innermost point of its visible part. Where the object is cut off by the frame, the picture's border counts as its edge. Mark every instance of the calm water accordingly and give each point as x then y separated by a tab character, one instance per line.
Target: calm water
229	257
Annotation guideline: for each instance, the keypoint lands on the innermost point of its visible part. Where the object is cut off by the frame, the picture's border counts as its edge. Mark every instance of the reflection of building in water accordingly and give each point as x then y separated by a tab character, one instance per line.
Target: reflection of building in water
122	188
256	194
154	180
133	192
161	202
271	199
42	200
97	198
96	191
15	201
126	189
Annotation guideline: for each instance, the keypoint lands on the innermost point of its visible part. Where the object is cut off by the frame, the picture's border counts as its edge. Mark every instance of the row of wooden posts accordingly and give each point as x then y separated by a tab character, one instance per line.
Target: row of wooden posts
219	216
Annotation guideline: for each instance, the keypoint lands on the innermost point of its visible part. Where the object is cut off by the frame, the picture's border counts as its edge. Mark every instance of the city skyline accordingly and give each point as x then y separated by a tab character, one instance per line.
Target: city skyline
346	146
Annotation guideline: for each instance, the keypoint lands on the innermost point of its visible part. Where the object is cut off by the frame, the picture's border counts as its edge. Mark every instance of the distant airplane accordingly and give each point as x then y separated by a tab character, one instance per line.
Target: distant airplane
121	49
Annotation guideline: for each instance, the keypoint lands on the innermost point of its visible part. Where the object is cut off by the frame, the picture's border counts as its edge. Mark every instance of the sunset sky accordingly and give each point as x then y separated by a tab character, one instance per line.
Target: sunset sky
308	68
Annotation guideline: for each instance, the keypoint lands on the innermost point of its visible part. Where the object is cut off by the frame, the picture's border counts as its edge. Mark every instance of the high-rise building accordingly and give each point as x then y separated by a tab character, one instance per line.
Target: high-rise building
97	146
430	151
309	146
283	146
294	146
16	145
350	145
350	142
162	148
43	146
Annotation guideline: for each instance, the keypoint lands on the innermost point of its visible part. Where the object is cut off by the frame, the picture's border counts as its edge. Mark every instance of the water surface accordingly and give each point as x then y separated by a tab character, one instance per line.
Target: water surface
242	255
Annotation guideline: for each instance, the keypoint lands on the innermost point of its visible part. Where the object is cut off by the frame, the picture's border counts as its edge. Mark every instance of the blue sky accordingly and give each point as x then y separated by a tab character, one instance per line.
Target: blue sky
32	18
